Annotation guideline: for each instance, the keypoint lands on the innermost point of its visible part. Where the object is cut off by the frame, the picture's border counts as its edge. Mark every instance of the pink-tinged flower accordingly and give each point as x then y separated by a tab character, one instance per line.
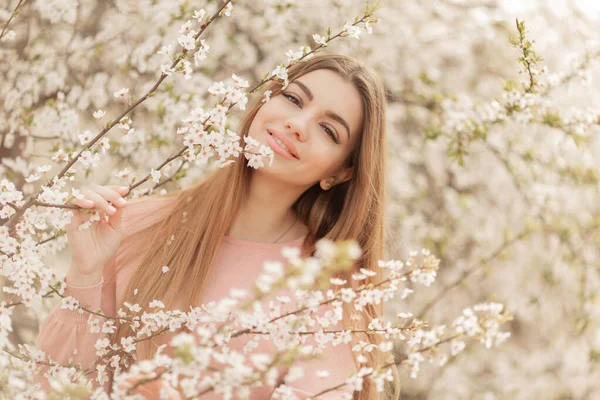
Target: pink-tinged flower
88	159
101	346
69	303
186	28
128	344
104	144
94	325
199	14
227	10
123	173
187	42
201	54
85	137
166	69
121	92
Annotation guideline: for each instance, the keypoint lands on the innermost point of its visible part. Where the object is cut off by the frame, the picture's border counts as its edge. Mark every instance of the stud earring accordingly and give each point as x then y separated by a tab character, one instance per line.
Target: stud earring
327	185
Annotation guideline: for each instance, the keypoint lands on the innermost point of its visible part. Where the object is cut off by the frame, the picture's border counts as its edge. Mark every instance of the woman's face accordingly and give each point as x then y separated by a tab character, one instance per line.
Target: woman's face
318	117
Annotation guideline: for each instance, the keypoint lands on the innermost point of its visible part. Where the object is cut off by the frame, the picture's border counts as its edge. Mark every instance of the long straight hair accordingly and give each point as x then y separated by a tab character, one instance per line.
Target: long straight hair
350	210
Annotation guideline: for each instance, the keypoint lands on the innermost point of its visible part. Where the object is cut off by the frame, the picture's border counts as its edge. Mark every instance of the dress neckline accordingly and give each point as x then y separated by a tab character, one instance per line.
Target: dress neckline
248	243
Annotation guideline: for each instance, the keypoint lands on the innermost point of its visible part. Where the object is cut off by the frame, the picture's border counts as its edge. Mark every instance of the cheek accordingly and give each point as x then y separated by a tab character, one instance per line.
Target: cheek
323	160
255	126
264	114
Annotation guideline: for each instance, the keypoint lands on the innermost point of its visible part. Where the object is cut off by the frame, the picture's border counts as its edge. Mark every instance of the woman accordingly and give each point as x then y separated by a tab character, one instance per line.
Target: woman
327	129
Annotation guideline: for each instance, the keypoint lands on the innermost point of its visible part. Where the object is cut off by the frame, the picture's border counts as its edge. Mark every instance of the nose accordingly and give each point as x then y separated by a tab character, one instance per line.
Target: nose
297	127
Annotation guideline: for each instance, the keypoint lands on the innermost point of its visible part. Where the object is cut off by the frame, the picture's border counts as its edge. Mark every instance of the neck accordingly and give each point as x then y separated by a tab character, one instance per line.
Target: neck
266	213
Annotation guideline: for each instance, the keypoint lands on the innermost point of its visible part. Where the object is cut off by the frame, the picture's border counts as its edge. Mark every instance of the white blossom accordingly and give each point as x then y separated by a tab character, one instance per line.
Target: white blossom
281	73
156	175
85	137
352	31
123	173
187	42
199	14
319	39
266	96
121	92
99	114
227	10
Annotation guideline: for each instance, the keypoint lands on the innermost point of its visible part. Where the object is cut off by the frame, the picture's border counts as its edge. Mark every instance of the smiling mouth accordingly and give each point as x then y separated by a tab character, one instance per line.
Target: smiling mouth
281	144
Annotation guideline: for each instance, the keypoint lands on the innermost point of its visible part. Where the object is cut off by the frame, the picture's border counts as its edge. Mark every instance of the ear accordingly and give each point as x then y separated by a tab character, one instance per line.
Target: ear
344	175
341	177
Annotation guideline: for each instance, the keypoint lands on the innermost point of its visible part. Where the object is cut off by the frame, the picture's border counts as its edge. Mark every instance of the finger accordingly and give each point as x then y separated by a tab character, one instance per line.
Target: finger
115	219
83	203
100	202
122	190
111	195
77	219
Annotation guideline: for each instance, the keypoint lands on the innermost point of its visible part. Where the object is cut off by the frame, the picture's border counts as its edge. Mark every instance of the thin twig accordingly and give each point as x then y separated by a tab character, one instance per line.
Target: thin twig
13	219
470	271
11	17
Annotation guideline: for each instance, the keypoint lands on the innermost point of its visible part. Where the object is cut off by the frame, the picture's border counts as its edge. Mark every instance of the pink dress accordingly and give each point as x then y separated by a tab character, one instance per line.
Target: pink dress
65	334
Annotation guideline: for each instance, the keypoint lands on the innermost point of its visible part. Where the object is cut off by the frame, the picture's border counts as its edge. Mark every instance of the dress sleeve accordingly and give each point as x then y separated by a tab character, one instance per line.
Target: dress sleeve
65	335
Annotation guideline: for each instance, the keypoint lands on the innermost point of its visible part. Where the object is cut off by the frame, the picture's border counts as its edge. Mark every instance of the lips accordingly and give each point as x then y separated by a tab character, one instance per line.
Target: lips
285	140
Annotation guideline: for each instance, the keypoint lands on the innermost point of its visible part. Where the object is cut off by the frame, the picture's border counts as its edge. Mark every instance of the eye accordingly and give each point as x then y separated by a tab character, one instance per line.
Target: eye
292	98
330	133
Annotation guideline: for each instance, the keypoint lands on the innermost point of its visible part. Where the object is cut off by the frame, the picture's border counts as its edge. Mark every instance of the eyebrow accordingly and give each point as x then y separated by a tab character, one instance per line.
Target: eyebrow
330	114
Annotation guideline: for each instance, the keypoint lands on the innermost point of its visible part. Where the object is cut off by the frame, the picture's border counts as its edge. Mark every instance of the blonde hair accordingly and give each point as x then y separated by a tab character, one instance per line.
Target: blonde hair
350	210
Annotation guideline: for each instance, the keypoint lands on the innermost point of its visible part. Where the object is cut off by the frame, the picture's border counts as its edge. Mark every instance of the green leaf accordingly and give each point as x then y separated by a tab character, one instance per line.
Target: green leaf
509	85
480	132
594	356
423	77
180	174
552	119
184	353
431	132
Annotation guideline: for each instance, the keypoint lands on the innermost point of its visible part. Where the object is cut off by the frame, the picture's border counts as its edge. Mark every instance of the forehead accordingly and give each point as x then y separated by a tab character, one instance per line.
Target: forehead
333	93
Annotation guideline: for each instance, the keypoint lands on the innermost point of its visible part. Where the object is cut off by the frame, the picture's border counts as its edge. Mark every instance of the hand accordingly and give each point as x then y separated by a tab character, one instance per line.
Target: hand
93	247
